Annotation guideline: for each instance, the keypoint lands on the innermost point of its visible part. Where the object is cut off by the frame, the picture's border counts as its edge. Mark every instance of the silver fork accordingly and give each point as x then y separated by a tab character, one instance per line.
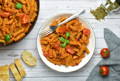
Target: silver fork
50	29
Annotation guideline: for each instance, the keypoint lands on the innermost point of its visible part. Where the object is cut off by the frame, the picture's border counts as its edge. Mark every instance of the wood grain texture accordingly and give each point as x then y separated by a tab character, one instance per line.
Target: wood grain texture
47	8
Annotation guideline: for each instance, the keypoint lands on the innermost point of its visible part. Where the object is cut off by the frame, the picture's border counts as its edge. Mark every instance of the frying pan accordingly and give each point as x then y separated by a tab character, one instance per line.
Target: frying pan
32	26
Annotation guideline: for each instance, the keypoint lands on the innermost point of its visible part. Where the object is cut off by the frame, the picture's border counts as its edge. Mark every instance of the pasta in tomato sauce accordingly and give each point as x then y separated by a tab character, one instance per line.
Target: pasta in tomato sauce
67	45
16	18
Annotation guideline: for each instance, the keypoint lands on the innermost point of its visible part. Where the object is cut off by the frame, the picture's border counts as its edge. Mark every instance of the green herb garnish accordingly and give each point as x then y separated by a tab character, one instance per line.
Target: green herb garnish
67	41
19	5
67	34
62	39
7	37
63	45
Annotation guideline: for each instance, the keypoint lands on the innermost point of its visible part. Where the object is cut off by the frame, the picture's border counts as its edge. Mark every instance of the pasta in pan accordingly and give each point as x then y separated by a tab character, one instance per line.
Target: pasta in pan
16	18
68	44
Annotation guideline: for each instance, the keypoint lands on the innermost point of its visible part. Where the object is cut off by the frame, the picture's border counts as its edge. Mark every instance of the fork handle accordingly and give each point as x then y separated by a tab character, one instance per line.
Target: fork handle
72	17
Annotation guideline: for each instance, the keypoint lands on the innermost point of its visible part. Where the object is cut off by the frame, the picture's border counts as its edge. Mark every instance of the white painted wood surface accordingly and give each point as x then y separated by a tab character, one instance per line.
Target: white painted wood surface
48	7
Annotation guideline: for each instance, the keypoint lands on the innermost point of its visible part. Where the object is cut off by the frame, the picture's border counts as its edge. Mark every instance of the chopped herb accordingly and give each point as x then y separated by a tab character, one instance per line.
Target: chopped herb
62	39
99	13
63	45
67	34
18	5
103	10
67	41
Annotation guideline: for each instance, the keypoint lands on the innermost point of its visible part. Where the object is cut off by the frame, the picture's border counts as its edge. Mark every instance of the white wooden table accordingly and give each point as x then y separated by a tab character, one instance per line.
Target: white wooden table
48	7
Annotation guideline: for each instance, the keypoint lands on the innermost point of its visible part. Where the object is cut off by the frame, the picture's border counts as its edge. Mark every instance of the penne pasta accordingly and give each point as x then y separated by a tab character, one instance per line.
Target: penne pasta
66	48
19	37
16	19
18	32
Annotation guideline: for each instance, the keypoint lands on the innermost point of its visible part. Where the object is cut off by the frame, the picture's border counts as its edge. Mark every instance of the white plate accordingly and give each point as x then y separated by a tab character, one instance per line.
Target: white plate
91	47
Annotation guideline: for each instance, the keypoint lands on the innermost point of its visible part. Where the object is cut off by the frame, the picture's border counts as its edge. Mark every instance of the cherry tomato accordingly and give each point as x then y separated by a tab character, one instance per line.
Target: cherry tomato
86	31
5	14
24	18
57	45
105	52
104	70
70	50
61	30
46	54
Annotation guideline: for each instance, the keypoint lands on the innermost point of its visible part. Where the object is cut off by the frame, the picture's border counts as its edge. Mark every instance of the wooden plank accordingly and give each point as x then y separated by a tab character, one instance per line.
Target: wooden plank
55	7
83	78
44	71
49	7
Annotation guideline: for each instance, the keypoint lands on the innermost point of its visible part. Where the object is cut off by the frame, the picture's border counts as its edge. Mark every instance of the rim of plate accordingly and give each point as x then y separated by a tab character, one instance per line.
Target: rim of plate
63	68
